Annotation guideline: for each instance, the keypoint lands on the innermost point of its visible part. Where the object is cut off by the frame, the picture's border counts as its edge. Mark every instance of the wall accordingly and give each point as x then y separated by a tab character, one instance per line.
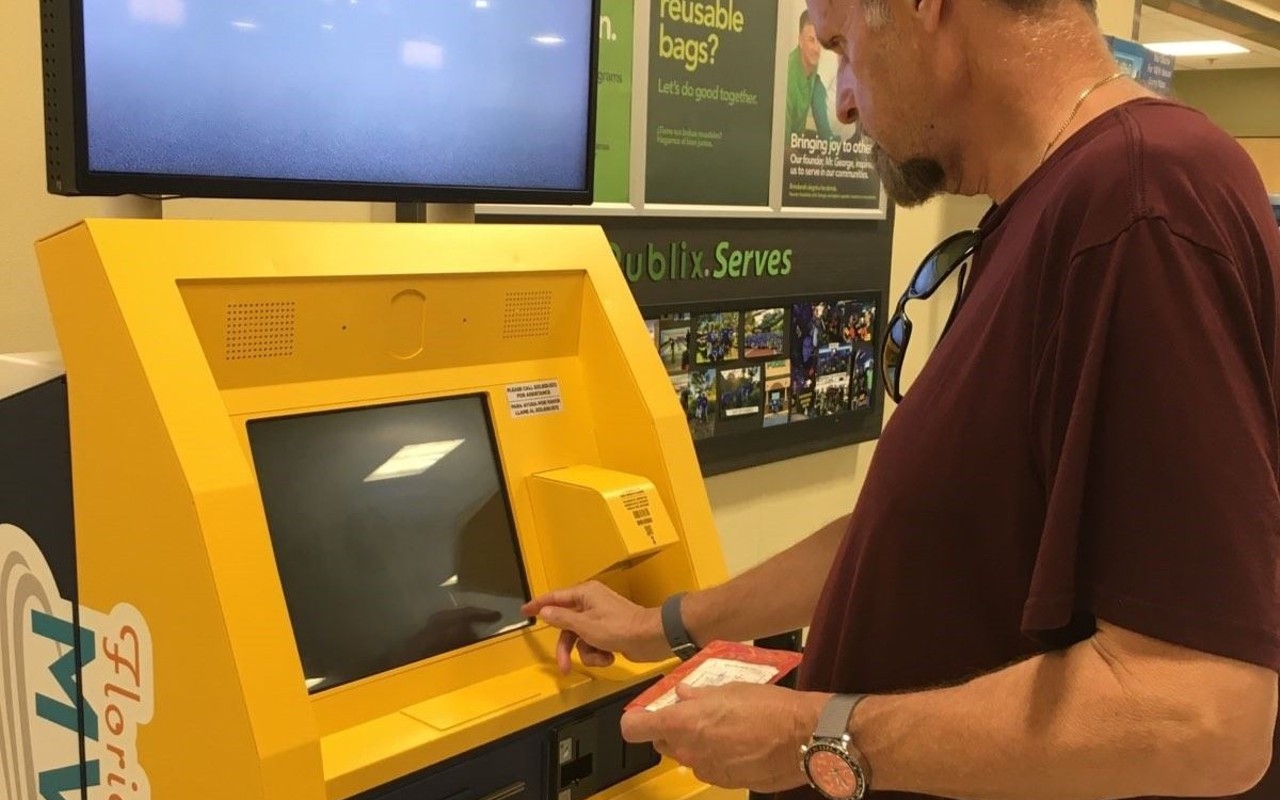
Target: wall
1266	154
25	211
1245	102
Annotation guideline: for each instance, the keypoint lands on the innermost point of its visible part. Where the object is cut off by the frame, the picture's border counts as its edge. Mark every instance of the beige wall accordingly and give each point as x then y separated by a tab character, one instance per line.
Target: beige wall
1245	102
25	211
1266	154
758	511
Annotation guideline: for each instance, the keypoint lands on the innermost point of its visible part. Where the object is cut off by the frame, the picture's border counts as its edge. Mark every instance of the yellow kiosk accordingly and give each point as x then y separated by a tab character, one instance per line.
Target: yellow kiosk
317	470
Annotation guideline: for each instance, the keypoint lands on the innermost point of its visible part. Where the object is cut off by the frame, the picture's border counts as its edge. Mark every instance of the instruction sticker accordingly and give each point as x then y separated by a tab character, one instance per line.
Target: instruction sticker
532	399
637	503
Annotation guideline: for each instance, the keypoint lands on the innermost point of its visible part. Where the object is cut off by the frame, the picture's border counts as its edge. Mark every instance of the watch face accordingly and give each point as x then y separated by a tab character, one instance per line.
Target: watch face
832	775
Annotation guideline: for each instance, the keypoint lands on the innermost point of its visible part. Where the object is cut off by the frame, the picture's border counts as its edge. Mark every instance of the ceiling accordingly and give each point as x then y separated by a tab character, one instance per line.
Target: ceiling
1157	25
1267	8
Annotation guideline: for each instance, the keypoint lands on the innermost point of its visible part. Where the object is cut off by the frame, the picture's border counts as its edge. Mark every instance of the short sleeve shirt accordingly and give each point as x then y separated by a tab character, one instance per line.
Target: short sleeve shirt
1096	435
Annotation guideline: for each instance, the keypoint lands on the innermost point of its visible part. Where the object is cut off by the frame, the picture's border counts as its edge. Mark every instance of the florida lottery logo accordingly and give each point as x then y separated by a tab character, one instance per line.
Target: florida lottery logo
41	728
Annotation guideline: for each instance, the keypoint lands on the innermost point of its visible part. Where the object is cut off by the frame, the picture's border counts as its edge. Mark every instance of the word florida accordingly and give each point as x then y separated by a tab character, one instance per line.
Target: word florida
677	261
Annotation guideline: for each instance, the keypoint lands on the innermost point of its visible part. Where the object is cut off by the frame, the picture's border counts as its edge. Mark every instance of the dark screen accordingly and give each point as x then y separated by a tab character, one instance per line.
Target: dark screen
392	533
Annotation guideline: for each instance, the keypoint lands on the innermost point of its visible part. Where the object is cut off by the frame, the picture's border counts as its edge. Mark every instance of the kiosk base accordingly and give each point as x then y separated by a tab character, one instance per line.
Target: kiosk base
570	757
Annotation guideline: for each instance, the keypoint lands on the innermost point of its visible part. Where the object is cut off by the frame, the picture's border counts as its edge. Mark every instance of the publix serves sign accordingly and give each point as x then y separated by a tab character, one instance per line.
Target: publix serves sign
678	261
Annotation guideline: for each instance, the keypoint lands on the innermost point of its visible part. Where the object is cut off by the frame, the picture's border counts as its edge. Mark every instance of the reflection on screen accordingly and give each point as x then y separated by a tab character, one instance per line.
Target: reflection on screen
476	93
392	534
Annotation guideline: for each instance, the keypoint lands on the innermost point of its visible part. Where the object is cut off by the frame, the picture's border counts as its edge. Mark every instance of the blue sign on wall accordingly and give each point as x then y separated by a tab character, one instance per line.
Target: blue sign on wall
1151	69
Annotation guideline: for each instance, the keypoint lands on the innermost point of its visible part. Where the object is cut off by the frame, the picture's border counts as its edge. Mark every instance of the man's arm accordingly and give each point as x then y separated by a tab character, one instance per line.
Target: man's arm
1116	716
777	596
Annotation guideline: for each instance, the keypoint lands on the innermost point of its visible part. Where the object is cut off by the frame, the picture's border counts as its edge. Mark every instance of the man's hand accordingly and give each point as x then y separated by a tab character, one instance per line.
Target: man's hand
600	622
739	736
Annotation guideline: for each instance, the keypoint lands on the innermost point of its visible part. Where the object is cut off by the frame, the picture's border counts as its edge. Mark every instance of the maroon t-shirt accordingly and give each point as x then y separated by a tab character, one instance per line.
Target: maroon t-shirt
1095	437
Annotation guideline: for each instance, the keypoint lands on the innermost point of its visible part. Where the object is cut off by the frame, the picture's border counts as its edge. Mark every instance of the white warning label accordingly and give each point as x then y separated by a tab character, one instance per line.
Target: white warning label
531	399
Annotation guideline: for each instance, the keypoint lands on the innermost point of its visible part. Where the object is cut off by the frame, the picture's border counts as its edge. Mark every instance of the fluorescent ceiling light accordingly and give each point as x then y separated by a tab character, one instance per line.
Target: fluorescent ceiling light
160	12
422	54
245	25
482	3
413	459
24	361
1215	47
549	40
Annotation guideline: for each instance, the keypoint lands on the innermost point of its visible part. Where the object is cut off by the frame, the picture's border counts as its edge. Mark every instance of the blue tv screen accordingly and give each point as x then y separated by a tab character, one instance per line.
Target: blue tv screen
376	99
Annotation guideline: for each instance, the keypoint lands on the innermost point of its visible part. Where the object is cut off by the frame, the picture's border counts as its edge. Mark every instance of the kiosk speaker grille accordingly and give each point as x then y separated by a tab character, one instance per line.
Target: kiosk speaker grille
526	315
260	330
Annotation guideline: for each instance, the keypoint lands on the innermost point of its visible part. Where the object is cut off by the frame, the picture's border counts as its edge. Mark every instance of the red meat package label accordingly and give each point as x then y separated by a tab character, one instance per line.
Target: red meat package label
717	664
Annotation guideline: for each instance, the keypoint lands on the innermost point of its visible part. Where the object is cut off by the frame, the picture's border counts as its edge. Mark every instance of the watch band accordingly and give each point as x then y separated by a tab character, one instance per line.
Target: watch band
833	720
673	628
831	735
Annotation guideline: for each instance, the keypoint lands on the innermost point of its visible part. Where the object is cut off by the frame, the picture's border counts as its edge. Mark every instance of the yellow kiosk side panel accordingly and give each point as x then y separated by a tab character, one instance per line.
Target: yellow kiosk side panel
133	497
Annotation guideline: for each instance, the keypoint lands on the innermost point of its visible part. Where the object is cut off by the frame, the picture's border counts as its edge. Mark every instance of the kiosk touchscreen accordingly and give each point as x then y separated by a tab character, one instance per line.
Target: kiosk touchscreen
370	512
317	470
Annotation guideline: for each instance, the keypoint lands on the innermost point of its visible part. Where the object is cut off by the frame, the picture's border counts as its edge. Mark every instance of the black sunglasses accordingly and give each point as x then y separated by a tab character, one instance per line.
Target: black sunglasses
953	253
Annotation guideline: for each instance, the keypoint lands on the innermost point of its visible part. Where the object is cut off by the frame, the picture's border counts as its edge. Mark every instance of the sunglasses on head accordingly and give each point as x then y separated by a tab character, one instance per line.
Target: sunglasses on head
952	254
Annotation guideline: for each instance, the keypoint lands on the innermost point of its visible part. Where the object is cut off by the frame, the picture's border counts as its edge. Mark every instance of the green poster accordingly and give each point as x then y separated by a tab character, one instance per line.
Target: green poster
613	102
711	71
825	162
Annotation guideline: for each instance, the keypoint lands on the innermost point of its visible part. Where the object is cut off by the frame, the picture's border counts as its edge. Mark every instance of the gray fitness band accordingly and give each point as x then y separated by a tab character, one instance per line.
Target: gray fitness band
673	628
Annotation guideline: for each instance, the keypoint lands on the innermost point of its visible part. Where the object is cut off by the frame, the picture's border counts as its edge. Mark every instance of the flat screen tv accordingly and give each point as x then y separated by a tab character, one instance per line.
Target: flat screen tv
451	101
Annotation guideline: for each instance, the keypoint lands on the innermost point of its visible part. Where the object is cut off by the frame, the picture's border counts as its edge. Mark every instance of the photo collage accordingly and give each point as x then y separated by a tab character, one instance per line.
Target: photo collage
735	371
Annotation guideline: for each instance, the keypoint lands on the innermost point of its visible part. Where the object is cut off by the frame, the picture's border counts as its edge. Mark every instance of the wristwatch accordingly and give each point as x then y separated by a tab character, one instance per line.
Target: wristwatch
673	628
831	763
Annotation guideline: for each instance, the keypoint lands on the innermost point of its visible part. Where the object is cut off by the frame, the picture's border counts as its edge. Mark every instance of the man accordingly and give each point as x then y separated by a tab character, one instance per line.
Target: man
1060	580
806	94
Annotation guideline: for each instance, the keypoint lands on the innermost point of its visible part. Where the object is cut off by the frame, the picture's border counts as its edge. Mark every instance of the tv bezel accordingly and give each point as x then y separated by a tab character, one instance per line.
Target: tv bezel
67	143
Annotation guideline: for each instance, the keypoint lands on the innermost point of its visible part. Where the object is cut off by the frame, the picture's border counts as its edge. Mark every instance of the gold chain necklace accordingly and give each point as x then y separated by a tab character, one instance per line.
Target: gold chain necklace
1079	102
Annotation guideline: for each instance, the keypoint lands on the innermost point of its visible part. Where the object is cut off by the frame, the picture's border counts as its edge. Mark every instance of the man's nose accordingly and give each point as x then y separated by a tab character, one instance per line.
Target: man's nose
846	105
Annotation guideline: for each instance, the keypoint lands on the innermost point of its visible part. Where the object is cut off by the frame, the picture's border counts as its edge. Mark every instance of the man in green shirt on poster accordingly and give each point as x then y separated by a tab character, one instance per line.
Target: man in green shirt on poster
806	95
